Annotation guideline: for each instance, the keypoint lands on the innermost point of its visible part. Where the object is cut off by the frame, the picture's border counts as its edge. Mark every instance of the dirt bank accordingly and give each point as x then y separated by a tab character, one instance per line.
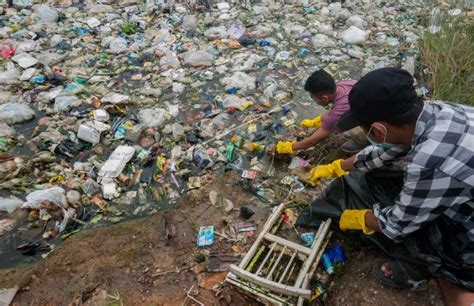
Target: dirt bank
135	264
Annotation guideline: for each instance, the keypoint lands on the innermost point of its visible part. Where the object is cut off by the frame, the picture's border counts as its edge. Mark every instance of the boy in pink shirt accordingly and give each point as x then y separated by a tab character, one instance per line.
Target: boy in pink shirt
324	90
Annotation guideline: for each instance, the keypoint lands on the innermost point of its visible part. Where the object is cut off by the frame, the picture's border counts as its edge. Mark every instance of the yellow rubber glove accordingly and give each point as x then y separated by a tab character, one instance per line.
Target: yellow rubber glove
284	147
331	170
354	219
312	123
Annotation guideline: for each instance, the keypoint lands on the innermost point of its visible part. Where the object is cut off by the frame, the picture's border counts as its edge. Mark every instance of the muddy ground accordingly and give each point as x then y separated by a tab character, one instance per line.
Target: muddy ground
139	262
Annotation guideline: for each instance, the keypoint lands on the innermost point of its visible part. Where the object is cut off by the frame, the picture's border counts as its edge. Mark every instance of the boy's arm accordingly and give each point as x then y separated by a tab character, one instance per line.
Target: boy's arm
319	135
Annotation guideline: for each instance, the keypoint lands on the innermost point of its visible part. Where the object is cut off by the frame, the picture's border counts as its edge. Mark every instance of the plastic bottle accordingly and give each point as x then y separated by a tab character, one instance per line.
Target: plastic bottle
327	263
246	145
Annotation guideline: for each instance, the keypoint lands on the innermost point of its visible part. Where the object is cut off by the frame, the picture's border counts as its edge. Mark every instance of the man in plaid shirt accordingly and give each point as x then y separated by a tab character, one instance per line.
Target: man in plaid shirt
433	214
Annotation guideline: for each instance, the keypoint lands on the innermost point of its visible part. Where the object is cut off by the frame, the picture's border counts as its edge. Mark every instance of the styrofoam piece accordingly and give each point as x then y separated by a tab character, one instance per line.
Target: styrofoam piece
88	133
101	115
117	161
109	189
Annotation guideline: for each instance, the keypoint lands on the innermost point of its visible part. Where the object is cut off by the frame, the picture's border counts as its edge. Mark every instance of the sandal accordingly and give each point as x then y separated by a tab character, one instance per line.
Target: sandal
405	275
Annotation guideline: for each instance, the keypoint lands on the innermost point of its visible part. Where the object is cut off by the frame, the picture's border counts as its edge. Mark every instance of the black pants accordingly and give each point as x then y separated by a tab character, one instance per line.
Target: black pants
438	246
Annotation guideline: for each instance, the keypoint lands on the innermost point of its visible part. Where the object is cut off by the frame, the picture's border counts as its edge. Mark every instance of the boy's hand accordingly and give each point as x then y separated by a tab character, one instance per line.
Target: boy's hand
331	170
284	147
312	123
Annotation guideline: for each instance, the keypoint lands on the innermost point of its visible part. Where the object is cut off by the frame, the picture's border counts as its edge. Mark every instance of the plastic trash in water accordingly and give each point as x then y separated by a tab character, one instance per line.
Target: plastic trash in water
7	52
232	90
283	55
336	254
205	236
328	266
38	79
308	238
302	52
264	43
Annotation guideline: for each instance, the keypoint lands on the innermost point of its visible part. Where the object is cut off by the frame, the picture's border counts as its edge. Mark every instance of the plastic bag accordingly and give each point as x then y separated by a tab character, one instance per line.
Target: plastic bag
198	58
152	117
15	113
10	204
54	195
118	45
44	12
354	36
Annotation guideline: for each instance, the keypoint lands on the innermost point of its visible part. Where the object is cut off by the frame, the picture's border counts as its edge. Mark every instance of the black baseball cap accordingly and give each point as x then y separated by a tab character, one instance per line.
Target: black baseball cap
377	96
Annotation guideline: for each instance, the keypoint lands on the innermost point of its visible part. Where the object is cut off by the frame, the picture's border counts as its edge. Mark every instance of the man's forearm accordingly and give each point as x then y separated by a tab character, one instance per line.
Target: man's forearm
372	222
348	164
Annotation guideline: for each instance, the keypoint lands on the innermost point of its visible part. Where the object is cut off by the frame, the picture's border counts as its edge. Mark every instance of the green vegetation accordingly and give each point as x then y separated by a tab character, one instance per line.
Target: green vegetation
449	55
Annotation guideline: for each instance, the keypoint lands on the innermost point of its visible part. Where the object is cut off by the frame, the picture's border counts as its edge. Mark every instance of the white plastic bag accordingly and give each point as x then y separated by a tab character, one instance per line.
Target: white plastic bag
54	195
354	35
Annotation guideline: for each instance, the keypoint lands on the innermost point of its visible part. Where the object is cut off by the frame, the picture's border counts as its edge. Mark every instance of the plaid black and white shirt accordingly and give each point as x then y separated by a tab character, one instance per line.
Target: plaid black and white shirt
439	172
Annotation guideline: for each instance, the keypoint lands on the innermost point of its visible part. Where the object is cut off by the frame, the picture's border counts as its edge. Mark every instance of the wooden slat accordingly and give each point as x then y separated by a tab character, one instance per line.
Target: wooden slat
265	259
270	285
276	263
268	225
287	267
315	248
287	243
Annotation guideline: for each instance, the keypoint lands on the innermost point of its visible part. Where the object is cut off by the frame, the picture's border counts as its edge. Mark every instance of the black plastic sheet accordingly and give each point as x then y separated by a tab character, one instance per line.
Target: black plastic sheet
437	246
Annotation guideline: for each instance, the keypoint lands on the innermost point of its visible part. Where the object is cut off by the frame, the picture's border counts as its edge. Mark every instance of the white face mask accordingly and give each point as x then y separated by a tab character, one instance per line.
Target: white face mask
383	144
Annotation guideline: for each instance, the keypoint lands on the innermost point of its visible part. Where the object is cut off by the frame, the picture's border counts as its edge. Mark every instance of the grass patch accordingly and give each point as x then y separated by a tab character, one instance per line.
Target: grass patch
449	55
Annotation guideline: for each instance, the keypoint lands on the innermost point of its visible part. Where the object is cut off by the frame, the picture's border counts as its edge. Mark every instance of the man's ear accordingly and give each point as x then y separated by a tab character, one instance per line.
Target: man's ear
379	133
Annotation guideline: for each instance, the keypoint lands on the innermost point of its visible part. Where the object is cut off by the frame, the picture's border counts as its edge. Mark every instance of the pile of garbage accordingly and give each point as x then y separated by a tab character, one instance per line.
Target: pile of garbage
114	110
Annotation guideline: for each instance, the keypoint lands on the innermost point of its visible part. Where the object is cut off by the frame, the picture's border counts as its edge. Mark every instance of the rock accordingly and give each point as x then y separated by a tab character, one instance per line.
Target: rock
15	113
354	35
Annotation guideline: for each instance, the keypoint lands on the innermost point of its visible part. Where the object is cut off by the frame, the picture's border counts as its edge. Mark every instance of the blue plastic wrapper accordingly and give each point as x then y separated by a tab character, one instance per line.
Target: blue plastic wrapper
308	238
232	90
264	43
336	254
38	79
303	52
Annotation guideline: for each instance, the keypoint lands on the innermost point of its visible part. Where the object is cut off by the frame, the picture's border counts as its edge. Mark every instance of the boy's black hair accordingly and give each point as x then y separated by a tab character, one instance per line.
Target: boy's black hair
320	82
